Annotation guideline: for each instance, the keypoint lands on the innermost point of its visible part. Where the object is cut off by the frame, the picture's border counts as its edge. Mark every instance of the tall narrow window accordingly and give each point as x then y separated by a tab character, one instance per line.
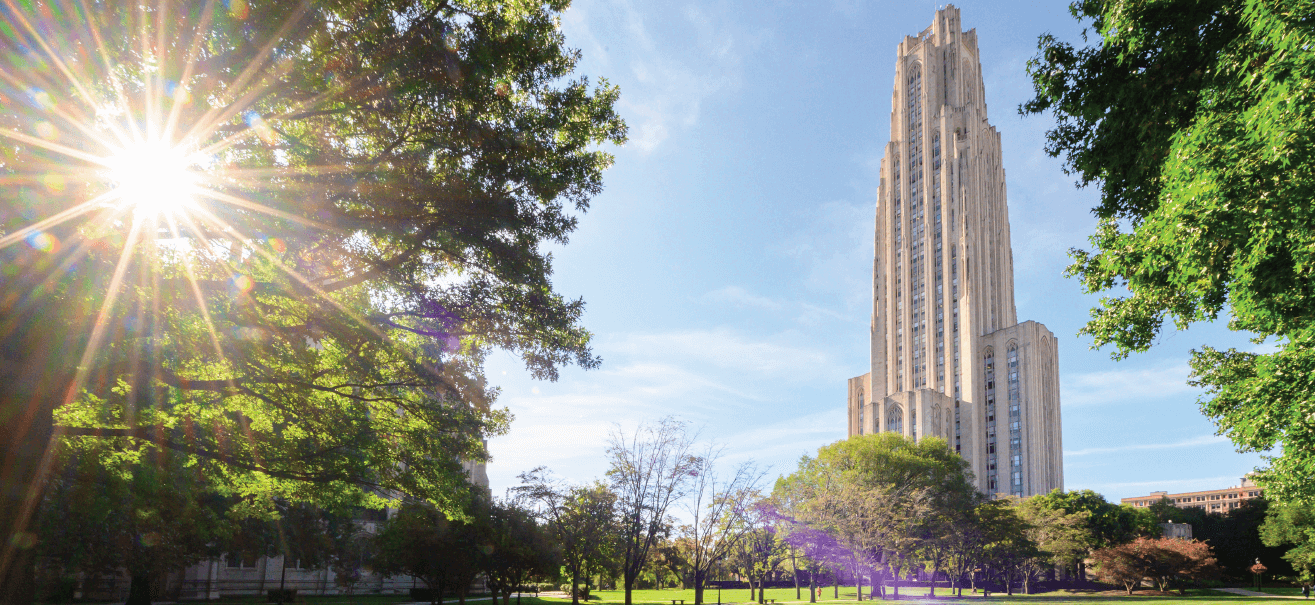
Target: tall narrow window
992	476
1015	426
860	411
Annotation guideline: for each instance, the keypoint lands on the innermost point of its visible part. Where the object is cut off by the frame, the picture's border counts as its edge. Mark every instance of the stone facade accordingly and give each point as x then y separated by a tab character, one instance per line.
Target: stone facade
949	357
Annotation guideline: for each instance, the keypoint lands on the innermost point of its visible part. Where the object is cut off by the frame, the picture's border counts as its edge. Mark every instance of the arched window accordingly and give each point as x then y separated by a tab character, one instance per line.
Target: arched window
895	420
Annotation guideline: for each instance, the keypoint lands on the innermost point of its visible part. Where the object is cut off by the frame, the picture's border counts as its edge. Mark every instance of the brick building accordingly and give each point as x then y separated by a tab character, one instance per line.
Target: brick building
1214	501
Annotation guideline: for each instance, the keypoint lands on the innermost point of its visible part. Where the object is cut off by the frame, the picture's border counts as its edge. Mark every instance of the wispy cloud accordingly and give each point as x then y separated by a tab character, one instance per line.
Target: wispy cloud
740	297
1125	384
1193	442
717	377
1179	485
666	73
728	350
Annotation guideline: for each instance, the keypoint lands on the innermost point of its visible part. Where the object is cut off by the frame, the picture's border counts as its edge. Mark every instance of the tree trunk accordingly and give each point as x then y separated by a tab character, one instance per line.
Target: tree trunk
698	587
139	590
575	586
283	579
812	587
794	571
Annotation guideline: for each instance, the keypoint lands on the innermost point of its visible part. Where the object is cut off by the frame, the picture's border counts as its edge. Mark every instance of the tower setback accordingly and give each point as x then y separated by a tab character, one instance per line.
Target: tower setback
949	357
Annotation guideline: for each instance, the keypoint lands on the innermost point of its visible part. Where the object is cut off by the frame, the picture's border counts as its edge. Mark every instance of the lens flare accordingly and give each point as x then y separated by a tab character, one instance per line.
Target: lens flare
153	177
44	242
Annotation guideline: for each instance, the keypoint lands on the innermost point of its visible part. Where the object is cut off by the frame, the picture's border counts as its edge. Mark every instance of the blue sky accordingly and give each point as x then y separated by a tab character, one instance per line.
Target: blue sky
727	265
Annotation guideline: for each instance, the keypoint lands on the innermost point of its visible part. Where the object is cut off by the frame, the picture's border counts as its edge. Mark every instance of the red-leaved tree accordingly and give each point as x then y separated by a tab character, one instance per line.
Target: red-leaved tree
1164	561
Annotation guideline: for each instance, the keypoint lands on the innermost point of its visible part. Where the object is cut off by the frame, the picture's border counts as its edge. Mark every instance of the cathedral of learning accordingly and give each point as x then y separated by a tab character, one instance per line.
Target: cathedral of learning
949	357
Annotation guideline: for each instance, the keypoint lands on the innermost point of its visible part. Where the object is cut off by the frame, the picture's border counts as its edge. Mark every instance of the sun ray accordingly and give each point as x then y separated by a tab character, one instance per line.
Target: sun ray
56	219
216	116
55	147
133	133
176	110
242	202
34	293
317	290
52	55
190	273
80	124
98	328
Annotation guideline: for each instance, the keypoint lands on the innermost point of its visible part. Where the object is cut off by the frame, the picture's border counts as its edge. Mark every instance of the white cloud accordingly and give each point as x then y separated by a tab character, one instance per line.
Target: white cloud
1124	385
1193	442
719	377
740	297
727	350
666	75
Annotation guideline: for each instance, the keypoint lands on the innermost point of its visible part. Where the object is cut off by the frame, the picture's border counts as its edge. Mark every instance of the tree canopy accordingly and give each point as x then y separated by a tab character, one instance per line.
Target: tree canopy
1196	120
280	237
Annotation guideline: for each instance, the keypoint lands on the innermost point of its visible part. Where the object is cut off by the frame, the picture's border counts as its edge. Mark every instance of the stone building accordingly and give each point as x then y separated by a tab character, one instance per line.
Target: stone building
949	356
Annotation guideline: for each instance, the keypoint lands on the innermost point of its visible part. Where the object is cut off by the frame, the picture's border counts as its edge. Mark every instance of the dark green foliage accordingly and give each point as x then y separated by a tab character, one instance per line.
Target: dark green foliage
1110	524
420	541
519	551
1197	121
1292	525
102	515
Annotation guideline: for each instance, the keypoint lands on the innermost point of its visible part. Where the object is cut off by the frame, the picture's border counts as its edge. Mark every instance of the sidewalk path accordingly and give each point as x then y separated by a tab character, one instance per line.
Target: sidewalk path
1251	593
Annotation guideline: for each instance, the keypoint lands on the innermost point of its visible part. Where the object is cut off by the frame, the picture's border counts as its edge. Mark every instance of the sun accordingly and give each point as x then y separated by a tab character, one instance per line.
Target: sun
153	177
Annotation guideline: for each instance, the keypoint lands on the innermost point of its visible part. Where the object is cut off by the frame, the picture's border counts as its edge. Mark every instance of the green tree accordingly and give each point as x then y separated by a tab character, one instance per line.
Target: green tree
1062	539
1196	121
105	512
422	542
878	495
1108	524
519	551
1293	525
356	197
583	522
1006	543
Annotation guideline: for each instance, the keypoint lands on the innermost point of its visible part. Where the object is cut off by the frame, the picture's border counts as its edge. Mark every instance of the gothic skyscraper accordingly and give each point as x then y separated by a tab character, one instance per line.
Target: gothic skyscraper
949	357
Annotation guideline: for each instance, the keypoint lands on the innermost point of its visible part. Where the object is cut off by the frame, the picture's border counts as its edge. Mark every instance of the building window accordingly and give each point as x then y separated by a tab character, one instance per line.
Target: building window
895	420
860	411
239	561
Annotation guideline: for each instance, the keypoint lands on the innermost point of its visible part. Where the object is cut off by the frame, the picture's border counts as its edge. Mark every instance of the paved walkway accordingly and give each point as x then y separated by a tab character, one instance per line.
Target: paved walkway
1251	593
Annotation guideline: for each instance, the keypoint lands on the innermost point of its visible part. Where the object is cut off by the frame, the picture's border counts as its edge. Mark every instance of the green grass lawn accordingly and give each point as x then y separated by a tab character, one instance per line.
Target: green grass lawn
784	595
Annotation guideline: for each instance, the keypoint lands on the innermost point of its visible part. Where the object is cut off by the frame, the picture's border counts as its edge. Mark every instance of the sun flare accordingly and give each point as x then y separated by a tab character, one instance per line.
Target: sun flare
153	177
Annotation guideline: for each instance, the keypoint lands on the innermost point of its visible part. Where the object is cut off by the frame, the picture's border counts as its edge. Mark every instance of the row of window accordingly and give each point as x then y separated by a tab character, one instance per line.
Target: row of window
1201	498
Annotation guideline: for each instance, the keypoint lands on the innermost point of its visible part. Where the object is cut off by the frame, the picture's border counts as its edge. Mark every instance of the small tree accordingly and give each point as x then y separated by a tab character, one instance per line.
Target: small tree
519	550
719	506
1119	564
1258	570
420	541
582	520
650	470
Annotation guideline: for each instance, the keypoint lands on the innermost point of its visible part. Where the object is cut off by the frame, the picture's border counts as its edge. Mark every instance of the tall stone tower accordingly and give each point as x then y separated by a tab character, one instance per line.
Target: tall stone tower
949	357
